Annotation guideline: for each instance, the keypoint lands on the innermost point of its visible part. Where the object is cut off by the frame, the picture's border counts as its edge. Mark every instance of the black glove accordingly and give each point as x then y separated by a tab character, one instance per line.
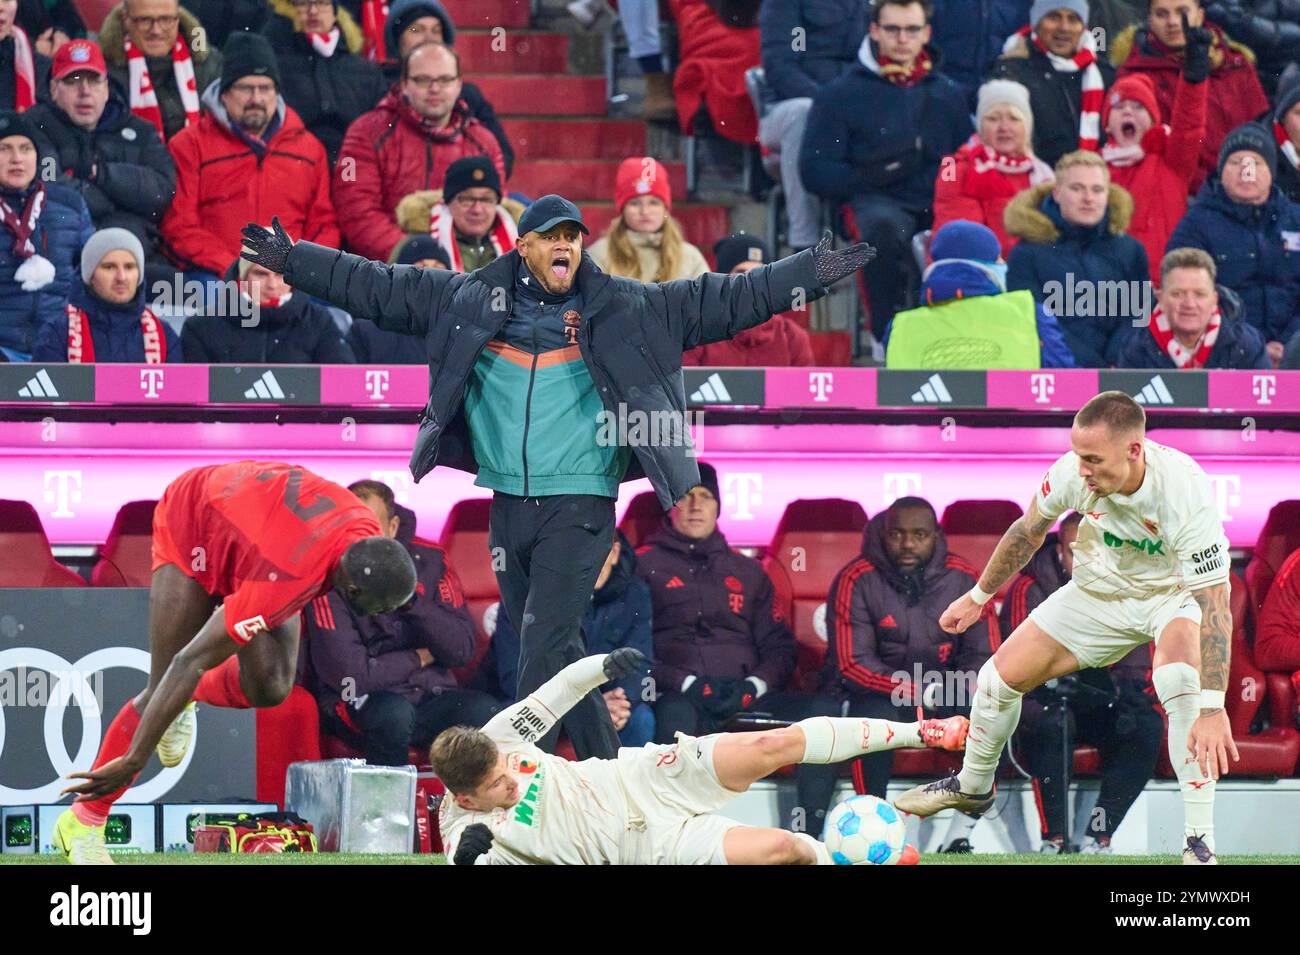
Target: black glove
1196	53
834	265
623	662
733	697
270	249
474	841
703	693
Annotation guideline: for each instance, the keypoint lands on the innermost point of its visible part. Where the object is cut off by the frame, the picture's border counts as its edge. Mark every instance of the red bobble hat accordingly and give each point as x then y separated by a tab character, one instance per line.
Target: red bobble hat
642	176
1135	86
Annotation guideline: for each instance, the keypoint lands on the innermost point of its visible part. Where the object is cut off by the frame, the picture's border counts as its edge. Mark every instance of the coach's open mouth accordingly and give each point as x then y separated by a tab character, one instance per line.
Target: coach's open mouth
560	266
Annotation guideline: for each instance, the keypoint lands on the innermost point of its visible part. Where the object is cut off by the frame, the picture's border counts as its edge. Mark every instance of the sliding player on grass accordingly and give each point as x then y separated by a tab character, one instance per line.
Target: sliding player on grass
1150	563
509	803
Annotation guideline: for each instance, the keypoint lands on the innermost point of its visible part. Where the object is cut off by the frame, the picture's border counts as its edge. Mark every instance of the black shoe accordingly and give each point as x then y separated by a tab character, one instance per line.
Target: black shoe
1198	853
958	847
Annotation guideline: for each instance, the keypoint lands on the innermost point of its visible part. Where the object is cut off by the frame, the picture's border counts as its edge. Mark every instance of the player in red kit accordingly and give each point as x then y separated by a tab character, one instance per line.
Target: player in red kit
238	550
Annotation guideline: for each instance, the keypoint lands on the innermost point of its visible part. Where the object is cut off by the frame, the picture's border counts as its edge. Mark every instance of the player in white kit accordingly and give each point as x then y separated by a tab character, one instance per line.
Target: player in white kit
1150	563
509	803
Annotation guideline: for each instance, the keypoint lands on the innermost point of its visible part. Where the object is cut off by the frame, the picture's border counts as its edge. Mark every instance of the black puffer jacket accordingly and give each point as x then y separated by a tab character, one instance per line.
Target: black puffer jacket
713	613
631	335
880	621
300	332
134	178
1271	28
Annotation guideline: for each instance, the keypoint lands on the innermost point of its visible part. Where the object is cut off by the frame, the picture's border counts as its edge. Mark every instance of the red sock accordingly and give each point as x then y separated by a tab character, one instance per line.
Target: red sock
220	686
116	742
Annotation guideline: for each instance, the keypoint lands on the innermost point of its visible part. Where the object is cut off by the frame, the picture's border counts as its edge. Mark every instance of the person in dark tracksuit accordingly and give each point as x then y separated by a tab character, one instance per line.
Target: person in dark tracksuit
386	679
882	625
1113	709
721	646
534	360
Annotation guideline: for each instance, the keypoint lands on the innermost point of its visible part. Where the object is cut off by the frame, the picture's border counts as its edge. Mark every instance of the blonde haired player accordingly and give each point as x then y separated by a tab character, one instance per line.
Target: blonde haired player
509	803
1150	563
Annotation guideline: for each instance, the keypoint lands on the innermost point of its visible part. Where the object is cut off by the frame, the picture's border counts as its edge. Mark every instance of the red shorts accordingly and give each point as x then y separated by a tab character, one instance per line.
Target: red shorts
164	548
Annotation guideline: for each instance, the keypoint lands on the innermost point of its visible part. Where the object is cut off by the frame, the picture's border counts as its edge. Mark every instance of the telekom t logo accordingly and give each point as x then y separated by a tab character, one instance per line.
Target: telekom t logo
62	488
821	384
900	484
1227	493
743	490
1043	387
1264	387
399	481
151	381
377	384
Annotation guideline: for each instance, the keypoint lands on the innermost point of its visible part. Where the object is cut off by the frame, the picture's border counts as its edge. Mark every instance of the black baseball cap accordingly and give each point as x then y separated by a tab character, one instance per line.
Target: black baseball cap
548	212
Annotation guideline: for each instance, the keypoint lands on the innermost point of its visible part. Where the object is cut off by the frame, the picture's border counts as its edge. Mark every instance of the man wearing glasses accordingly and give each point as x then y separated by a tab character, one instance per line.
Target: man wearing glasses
249	157
161	56
115	160
470	224
405	145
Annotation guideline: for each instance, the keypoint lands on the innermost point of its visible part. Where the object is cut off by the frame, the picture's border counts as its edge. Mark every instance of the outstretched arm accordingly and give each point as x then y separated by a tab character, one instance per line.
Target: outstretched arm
532	717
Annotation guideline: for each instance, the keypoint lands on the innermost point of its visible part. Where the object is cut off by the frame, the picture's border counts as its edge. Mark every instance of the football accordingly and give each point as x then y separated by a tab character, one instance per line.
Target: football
865	830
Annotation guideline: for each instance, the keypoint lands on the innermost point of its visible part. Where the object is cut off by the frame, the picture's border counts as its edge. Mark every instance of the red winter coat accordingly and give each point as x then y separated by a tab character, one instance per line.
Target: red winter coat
386	155
1235	96
222	186
1277	637
962	193
779	342
714	58
1159	183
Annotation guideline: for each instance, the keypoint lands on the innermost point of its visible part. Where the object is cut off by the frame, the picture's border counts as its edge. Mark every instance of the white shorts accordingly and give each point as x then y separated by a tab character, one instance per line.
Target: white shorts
1100	631
672	790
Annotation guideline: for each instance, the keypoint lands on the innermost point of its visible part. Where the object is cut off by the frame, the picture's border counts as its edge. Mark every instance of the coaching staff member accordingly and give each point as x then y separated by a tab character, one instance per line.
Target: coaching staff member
525	354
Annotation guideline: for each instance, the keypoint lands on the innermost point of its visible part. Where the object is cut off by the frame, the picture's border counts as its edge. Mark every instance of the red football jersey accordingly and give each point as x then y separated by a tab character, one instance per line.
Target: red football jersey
264	535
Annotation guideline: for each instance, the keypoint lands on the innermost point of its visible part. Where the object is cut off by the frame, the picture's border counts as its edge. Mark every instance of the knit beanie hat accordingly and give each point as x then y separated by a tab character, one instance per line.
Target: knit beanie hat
1042	8
1006	93
1134	86
642	176
709	481
105	241
248	54
415	248
1253	138
1288	94
470	172
963	239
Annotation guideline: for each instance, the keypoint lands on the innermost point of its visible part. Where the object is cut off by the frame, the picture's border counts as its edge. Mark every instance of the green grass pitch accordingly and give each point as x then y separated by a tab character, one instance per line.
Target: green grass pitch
334	858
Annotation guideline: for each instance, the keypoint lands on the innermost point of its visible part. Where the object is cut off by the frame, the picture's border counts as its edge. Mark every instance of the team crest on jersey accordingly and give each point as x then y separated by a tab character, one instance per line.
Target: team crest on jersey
1150	525
519	763
247	629
734	585
1046	488
571	322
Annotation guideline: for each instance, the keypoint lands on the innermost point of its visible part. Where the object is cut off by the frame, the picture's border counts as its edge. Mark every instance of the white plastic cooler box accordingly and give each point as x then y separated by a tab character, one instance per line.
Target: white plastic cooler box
354	807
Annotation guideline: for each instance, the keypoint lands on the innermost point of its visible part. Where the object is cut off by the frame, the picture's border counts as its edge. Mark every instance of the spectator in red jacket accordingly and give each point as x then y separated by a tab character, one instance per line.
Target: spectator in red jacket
405	145
977	181
247	159
887	654
1154	162
779	342
1277	636
1112	709
385	681
1157	49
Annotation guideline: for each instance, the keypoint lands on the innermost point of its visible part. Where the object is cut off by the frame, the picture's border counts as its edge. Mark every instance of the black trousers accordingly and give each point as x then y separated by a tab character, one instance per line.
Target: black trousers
871	772
390	723
547	552
814	784
888	224
1129	738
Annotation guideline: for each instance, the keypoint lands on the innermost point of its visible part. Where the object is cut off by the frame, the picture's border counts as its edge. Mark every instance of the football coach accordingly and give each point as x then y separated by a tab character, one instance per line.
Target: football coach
528	357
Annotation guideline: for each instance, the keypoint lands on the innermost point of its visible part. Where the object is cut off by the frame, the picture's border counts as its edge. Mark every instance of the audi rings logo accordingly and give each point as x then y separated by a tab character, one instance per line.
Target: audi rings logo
78	690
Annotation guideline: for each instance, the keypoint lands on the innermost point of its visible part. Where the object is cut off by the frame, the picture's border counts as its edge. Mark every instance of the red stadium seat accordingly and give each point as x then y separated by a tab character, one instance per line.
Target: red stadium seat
465	539
974	529
642	518
1279	536
126	559
812	542
25	556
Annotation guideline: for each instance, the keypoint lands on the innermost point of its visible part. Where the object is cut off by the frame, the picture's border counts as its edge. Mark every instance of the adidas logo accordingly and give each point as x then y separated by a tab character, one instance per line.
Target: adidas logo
712	390
889	621
1154	392
675	582
39	387
934	391
265	388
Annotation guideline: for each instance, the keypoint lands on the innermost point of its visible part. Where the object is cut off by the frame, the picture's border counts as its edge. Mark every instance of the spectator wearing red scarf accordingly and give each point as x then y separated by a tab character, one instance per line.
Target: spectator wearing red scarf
977	181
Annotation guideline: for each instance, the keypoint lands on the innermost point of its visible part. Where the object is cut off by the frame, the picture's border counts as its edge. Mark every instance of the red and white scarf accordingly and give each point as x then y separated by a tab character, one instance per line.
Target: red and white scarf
1094	88
374	18
443	230
81	346
144	99
985	159
325	43
23	224
24	71
1183	357
1285	145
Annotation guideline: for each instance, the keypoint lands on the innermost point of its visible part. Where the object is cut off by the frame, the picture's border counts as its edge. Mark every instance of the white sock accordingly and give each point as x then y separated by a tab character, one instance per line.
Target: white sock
818	847
1178	686
960	827
993	718
833	739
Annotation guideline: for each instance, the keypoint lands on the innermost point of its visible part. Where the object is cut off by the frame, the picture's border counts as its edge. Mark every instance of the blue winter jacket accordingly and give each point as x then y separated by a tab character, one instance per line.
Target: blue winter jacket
1239	345
971	34
1256	250
61	231
798	64
114	330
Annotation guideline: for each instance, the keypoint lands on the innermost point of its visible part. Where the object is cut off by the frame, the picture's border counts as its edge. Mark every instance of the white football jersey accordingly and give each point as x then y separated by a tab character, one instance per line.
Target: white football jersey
1164	536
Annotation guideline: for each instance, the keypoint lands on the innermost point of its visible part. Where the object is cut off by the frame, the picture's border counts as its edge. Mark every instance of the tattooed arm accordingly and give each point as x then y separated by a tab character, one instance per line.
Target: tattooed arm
1018	544
1216	638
